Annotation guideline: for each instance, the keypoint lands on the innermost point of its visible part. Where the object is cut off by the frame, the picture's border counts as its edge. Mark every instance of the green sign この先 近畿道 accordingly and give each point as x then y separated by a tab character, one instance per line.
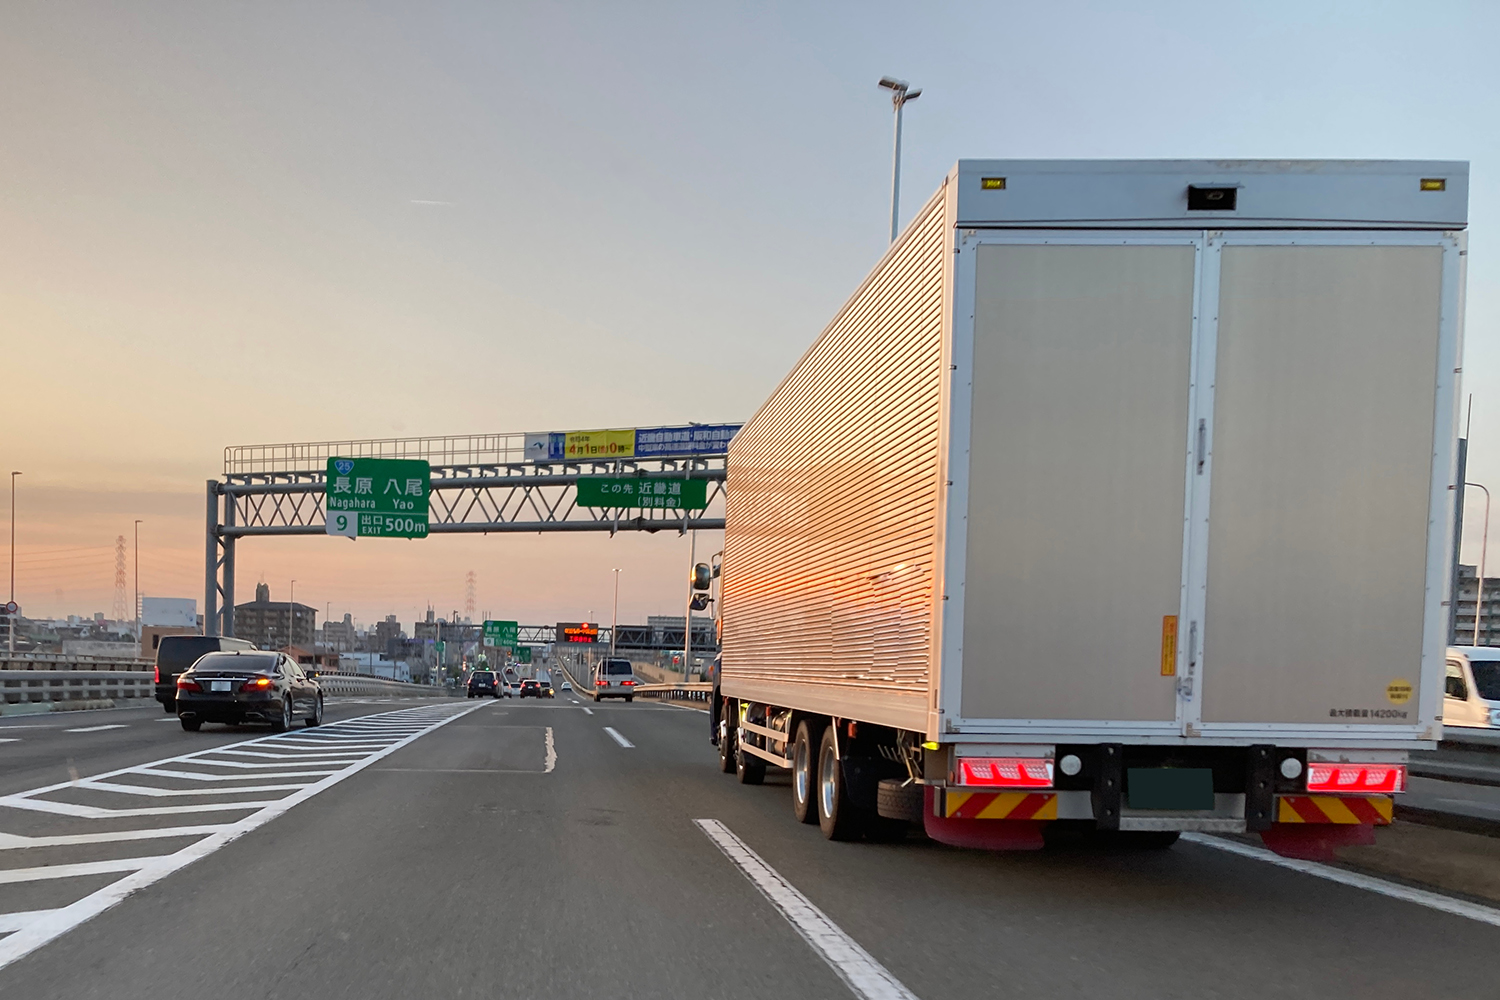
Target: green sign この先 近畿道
659	492
372	497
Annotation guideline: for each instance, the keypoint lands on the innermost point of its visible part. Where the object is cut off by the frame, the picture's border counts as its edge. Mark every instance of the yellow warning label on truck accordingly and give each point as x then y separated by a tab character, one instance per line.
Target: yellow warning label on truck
1398	691
1169	646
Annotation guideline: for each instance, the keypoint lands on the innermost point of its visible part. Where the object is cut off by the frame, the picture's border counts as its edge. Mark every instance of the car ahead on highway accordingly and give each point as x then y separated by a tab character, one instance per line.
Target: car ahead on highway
614	678
175	653
254	686
567	686
531	689
482	682
1471	690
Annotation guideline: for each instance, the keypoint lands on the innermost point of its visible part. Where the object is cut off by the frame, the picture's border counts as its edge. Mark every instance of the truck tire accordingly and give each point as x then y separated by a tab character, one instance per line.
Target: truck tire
750	769
837	816
899	800
726	737
804	774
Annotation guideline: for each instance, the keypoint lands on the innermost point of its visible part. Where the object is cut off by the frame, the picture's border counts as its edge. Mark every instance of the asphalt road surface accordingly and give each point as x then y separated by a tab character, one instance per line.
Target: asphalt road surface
553	850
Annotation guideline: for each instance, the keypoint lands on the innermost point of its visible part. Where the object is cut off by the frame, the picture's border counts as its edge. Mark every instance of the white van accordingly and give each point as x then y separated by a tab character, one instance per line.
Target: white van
615	678
1471	692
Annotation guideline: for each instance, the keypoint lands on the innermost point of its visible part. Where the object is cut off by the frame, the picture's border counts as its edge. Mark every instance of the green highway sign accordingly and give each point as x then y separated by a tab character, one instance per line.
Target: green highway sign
504	634
523	654
667	492
377	497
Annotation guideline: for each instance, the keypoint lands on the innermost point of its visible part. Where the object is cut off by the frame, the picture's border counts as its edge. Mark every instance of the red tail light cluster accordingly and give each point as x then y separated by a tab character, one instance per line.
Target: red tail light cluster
601	682
1356	778
628	683
187	684
1005	772
156	675
256	684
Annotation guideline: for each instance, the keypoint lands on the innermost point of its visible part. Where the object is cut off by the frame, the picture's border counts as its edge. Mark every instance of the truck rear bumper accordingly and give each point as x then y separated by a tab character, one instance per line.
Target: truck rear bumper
1227	816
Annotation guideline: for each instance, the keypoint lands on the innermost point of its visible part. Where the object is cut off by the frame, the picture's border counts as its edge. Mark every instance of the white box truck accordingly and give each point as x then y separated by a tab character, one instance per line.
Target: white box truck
1117	500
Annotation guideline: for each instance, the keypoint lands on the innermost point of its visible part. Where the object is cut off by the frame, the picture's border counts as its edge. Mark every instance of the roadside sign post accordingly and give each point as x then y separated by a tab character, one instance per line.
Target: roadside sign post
377	497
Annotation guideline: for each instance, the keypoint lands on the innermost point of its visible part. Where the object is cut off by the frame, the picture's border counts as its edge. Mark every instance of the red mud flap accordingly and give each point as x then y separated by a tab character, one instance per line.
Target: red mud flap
1316	841
981	834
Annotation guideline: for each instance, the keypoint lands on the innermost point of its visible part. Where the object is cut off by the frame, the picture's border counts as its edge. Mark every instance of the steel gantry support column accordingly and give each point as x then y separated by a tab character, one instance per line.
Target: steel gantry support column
218	563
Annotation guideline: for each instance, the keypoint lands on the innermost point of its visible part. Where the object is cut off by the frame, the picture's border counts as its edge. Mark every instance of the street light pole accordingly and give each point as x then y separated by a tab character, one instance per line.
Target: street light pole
614	617
11	614
901	92
291	609
1484	545
687	612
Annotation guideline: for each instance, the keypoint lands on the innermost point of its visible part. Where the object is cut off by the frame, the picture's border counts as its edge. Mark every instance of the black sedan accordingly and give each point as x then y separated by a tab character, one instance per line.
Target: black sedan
255	686
532	689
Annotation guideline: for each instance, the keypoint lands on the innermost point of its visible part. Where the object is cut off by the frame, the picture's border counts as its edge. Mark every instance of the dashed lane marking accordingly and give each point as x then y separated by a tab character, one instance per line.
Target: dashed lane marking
865	977
359	743
618	738
96	729
551	752
587	710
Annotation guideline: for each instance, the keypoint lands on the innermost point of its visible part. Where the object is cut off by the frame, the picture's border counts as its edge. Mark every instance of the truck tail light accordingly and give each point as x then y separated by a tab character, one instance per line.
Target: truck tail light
187	684
1006	772
1356	778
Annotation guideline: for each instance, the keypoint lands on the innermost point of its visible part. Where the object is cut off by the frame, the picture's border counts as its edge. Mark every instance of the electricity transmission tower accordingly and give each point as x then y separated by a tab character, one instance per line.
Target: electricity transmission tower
469	602
120	614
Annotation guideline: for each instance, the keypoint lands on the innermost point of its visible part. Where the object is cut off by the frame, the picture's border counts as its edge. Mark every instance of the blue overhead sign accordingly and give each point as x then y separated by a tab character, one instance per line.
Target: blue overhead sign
697	439
648	442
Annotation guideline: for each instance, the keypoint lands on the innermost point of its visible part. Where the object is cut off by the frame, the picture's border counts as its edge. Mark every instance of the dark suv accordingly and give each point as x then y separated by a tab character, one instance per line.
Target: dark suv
175	653
482	682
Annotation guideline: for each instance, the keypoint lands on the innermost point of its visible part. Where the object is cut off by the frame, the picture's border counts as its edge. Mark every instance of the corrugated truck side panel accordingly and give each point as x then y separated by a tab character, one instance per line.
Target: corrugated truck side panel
834	493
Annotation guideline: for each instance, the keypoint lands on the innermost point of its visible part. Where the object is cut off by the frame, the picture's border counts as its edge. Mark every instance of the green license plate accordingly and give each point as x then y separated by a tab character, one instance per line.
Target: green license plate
1169	788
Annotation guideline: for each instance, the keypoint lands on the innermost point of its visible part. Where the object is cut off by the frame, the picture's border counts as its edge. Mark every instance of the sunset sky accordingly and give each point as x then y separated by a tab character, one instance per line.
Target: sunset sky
247	223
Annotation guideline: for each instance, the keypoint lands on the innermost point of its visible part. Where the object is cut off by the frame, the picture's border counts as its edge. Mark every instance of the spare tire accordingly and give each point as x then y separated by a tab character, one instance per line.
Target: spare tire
899	798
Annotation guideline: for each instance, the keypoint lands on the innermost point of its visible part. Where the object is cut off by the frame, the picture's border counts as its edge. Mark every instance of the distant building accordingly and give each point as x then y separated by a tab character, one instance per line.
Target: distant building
275	624
1468	594
388	636
340	636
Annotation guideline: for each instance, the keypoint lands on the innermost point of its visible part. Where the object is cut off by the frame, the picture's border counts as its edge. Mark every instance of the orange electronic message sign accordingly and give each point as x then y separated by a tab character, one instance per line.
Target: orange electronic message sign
577	632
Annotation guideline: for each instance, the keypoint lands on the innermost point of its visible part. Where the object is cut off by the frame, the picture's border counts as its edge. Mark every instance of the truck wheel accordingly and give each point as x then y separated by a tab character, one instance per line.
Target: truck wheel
899	800
837	816
726	739
804	775
750	769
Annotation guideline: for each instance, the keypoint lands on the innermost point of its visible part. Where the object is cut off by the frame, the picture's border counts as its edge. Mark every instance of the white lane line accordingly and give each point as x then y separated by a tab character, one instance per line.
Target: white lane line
12	875
618	738
172	719
96	729
52	924
551	752
11	739
11	841
15	921
1422	897
173	793
865	977
587	710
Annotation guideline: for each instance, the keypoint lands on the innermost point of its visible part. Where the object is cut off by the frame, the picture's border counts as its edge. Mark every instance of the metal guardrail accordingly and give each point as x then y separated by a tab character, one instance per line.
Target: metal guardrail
32	685
359	684
695	691
69	661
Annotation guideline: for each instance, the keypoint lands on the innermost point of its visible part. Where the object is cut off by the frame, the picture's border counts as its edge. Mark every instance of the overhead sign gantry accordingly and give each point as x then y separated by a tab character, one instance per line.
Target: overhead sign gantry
472	484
